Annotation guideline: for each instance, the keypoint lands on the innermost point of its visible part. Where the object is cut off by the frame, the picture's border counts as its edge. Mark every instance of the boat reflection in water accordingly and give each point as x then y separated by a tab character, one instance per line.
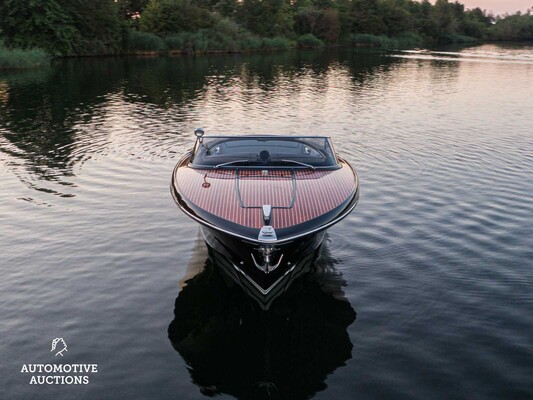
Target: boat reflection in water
234	347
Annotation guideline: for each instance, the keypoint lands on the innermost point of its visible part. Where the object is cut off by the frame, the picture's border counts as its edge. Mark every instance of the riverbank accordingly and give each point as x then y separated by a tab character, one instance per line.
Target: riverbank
228	39
13	59
107	27
149	45
233	41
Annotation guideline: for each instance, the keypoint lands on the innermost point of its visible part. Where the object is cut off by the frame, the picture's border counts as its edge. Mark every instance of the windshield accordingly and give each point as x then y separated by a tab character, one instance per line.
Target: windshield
261	151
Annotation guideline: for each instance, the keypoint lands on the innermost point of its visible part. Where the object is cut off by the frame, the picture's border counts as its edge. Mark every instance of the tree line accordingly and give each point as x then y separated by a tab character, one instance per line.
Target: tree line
98	27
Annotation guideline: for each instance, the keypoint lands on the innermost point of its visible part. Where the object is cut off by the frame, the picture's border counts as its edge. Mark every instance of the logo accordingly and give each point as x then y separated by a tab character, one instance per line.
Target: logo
59	374
62	346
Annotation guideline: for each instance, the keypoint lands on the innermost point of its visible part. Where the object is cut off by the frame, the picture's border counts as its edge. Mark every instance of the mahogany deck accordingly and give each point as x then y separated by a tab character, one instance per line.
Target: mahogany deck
215	191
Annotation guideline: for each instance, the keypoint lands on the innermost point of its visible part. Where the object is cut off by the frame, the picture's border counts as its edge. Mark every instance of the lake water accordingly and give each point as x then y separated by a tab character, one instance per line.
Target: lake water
424	292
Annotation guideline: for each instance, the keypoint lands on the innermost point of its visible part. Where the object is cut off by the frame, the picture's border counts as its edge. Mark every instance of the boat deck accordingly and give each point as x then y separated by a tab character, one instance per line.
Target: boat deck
237	195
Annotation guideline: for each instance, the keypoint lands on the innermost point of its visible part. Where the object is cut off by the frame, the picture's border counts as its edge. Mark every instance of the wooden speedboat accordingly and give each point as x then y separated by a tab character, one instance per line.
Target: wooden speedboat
264	203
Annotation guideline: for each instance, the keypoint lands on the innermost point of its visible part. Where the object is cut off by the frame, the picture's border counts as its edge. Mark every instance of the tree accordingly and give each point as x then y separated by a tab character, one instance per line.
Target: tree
443	18
283	20
476	23
513	27
78	27
63	27
131	8
99	26
366	17
306	20
164	17
38	23
396	17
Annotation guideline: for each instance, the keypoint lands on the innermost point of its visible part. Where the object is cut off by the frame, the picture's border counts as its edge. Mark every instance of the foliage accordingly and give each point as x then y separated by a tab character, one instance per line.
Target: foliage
81	27
309	40
176	42
324	24
99	27
20	59
141	42
213	40
409	40
266	18
513	27
225	36
276	43
39	23
131	8
368	40
455	38
166	17
62	27
251	42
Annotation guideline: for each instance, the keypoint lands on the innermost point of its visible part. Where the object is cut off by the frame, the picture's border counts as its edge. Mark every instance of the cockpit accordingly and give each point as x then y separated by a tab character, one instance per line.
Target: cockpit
263	152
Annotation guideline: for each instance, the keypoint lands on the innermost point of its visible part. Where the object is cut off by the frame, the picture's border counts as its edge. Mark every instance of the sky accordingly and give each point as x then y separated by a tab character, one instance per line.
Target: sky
499	6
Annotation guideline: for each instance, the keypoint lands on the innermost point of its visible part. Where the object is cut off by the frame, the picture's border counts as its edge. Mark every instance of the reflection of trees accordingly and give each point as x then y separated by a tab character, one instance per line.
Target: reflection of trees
42	108
175	81
166	82
52	118
181	81
233	347
365	65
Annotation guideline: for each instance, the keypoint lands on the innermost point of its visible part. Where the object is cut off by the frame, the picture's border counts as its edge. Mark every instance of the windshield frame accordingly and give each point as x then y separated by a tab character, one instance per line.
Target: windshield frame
333	164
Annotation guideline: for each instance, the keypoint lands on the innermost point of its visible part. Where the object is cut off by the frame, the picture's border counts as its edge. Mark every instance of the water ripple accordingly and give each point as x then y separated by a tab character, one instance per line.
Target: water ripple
436	257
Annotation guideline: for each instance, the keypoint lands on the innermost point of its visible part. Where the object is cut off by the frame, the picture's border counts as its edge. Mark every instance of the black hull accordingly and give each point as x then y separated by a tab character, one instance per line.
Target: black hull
244	264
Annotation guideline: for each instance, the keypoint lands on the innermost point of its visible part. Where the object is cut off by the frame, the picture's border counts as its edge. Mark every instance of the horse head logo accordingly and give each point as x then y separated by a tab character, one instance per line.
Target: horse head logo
62	346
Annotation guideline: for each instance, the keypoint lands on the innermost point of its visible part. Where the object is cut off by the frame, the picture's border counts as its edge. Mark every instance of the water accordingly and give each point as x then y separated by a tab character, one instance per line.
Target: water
425	291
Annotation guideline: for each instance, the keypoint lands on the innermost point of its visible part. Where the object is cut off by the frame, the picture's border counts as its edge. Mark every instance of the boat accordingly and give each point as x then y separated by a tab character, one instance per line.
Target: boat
264	203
